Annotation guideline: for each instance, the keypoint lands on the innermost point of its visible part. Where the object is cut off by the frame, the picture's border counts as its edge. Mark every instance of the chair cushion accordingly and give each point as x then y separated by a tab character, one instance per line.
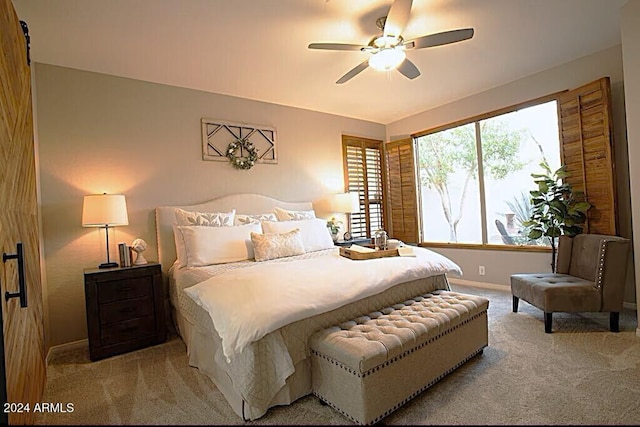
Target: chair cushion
563	260
556	292
585	253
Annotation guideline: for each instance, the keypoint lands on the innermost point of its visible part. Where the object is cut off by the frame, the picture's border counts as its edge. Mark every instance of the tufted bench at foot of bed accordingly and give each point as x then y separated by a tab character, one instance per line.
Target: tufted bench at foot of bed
368	367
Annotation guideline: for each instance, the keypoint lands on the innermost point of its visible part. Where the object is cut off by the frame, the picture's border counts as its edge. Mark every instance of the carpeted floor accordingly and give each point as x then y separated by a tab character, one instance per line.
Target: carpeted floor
580	374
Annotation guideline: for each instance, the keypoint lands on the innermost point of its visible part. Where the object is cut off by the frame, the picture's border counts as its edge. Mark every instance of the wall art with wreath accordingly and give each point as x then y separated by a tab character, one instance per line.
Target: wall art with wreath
239	144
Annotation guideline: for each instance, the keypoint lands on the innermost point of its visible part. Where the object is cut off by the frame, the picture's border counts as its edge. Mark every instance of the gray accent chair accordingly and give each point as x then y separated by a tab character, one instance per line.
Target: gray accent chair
590	276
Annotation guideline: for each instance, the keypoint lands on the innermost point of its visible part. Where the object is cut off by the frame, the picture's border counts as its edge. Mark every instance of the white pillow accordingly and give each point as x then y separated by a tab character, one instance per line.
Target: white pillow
277	245
314	232
257	218
286	215
209	219
216	245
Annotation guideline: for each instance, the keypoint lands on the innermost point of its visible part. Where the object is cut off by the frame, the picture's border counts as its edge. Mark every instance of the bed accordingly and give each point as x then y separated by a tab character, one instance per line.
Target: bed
246	319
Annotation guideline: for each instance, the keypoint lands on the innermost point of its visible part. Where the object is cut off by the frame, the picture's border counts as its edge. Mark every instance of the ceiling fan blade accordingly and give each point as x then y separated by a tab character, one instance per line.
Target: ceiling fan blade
408	69
439	39
353	72
397	17
335	46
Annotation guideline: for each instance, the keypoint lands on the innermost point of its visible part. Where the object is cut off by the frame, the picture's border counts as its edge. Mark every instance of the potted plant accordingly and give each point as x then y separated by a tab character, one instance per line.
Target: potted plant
334	227
556	209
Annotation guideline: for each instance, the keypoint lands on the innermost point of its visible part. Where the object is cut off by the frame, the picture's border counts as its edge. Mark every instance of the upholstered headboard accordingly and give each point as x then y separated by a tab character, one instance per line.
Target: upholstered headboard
242	203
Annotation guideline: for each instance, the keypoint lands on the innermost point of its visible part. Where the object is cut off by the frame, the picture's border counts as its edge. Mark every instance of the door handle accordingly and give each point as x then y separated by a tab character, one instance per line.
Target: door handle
22	290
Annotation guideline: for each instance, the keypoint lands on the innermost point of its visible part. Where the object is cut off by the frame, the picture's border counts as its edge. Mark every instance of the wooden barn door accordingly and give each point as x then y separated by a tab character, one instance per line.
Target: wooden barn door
22	327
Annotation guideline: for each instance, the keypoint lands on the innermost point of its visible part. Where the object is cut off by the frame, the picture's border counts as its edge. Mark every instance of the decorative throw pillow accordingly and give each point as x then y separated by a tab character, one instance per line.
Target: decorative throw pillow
277	245
217	245
256	219
287	215
314	232
208	219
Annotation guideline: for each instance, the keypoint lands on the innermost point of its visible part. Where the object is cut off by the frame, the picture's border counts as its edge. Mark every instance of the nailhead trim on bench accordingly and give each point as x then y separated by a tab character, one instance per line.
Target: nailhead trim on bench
414	394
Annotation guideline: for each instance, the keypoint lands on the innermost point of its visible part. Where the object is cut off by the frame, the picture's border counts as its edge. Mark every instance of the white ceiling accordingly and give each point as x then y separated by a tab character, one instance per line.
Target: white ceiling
257	49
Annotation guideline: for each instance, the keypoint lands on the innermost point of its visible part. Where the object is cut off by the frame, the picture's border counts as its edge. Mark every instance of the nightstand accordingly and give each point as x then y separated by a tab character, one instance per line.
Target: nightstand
354	241
124	309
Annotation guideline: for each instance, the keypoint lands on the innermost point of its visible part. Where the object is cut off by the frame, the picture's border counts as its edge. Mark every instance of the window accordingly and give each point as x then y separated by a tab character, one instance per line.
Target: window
475	178
364	174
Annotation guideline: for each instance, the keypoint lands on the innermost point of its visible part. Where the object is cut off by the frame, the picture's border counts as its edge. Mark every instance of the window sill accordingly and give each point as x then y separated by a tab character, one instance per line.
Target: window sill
514	248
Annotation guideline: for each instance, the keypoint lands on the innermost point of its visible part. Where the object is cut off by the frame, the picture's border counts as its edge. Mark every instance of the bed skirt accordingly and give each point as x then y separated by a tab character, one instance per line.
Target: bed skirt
277	370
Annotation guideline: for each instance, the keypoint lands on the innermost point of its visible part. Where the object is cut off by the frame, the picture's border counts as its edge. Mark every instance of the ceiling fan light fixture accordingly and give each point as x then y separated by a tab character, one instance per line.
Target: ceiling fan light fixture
387	59
387	48
386	41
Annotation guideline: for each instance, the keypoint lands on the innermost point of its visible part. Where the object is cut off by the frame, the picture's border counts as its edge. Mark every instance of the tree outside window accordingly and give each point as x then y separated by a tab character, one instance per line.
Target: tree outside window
466	201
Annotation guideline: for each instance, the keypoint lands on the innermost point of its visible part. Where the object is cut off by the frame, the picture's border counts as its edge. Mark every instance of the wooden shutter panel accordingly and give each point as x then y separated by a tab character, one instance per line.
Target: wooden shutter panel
401	190
375	188
586	134
364	174
355	182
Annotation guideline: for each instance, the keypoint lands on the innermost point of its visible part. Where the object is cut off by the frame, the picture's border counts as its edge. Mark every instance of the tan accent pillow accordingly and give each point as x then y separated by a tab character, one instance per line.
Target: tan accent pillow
277	245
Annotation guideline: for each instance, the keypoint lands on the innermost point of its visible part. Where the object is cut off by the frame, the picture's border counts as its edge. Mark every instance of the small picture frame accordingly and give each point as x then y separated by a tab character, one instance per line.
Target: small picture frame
347	236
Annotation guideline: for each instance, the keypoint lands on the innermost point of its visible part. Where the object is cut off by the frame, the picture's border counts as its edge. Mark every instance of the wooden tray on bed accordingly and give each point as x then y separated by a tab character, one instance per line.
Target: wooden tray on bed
355	255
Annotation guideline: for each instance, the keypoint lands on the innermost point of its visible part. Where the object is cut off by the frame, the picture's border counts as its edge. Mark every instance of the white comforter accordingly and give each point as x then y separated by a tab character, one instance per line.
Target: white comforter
248	303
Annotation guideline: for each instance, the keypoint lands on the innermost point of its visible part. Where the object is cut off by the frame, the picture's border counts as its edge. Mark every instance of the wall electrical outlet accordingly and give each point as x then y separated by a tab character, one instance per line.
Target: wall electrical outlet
481	270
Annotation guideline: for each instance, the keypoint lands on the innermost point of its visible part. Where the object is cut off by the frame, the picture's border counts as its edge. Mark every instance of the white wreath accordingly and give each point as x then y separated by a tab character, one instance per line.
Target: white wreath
245	162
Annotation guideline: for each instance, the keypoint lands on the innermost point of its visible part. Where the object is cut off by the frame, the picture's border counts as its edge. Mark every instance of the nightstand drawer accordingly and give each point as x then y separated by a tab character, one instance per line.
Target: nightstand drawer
125	289
116	333
119	311
125	309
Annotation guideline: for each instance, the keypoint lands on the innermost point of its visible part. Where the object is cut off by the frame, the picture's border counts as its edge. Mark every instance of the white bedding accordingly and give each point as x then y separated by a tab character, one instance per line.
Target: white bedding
274	370
249	302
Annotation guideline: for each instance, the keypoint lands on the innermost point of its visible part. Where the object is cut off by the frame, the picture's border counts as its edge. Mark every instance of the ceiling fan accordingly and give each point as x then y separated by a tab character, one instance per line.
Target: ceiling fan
388	50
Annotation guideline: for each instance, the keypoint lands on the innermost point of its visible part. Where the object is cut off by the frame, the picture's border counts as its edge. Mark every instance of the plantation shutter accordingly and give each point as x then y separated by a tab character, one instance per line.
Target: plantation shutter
364	174
586	134
401	190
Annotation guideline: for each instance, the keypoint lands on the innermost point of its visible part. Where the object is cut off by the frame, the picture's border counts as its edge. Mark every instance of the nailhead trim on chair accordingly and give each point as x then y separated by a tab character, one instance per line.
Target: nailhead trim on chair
603	250
414	394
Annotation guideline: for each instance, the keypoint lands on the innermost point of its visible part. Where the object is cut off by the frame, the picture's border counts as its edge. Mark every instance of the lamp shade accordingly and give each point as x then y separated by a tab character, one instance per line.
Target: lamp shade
100	210
344	203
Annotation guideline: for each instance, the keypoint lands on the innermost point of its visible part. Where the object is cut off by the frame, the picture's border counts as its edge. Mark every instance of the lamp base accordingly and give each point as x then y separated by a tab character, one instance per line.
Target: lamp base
108	265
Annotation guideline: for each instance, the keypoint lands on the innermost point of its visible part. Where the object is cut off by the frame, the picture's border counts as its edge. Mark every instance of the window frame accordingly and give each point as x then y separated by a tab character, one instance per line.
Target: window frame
476	120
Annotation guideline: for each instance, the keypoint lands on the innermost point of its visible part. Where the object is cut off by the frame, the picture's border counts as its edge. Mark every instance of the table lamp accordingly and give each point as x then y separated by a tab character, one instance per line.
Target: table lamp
346	203
105	210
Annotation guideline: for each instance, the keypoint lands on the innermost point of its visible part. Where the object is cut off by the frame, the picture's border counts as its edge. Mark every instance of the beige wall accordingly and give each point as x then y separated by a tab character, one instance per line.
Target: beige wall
99	133
630	26
499	265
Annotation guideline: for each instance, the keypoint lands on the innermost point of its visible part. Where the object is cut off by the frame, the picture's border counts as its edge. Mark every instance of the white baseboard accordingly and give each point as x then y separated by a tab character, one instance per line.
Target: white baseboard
475	284
65	348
